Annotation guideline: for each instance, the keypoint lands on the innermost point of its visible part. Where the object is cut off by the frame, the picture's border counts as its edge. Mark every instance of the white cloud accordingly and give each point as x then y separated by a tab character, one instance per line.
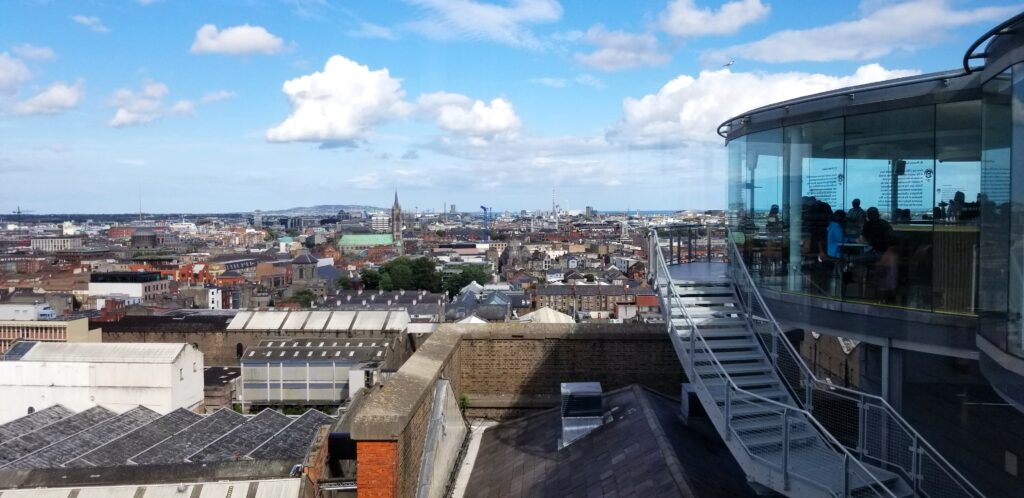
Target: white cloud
138	107
683	17
217	96
904	26
56	98
590	80
370	30
184	107
507	24
13	73
32	52
476	119
339	104
619	50
92	22
551	82
236	40
687	109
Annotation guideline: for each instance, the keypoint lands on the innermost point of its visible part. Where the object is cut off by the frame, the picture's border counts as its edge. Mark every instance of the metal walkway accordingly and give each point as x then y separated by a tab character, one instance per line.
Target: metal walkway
790	432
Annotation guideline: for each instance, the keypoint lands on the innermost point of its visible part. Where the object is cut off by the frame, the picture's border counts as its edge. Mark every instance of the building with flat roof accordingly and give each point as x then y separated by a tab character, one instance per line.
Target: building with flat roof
145	285
54	244
888	215
161	377
73	331
312	371
355	244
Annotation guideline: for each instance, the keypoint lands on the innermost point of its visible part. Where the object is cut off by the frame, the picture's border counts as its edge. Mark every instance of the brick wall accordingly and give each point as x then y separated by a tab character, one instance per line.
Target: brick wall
377	463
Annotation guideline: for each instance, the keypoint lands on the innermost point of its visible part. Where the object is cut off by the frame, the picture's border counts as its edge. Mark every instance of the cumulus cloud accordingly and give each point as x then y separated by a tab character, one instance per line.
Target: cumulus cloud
471	118
92	22
617	50
138	107
184	107
56	98
236	40
411	154
370	30
904	26
474	20
32	52
688	109
339	104
683	18
13	73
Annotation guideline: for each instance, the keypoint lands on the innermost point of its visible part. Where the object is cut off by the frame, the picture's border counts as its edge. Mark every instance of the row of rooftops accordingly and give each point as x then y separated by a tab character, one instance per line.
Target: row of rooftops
592	290
335	321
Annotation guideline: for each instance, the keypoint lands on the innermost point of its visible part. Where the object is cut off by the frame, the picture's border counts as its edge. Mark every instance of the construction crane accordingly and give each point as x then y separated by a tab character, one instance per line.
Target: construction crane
18	212
487	222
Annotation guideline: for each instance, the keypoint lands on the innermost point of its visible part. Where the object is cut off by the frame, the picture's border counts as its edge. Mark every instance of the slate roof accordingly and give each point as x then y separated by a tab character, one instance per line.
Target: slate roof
242	439
33	421
55	455
49	434
177	447
118	451
293	441
304	259
645	451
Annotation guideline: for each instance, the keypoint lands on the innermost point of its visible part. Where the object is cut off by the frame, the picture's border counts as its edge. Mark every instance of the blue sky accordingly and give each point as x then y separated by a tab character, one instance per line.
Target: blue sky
264	104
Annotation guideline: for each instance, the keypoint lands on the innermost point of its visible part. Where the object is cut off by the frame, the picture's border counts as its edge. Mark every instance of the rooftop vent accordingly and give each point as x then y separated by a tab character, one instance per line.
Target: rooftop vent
582	410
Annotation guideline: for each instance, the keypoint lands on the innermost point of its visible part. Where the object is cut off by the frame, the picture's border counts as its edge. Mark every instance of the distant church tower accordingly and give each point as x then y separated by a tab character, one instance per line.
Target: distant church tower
396	226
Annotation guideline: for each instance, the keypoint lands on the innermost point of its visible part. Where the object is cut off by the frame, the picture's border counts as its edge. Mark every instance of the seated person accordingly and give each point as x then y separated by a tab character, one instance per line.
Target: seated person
876	232
837	234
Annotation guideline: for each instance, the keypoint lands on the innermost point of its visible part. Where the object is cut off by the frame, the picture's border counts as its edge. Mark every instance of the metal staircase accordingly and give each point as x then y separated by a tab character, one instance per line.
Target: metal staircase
790	431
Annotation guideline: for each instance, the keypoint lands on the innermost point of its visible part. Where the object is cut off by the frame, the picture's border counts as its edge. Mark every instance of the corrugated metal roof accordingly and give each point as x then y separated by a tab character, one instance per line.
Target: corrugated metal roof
238	322
120	352
266	320
370	320
317	320
295	320
341	320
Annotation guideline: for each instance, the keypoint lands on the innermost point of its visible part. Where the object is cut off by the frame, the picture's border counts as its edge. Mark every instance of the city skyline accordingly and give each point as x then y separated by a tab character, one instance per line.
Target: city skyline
281	104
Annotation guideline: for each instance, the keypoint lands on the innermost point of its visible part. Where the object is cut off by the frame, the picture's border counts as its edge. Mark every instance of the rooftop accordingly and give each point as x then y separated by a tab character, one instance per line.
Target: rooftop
86	352
645	450
358	239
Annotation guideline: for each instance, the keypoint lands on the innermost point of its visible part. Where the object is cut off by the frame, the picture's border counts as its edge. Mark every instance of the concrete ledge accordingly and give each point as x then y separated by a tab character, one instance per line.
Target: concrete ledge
387	411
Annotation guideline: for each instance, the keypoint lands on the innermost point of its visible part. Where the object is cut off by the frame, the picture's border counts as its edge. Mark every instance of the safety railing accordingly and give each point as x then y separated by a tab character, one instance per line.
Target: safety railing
865	424
790	429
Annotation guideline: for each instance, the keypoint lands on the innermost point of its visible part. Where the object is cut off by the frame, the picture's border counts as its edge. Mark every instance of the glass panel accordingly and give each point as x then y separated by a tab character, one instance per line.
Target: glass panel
1014	209
764	187
890	169
737	157
995	189
956	232
814	165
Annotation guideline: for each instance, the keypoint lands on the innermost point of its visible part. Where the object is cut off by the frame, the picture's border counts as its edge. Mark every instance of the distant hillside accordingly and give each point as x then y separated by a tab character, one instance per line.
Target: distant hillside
322	209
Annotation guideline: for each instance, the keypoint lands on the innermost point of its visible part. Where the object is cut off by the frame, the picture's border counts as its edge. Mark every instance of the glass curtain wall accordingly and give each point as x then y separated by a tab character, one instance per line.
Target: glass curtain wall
880	208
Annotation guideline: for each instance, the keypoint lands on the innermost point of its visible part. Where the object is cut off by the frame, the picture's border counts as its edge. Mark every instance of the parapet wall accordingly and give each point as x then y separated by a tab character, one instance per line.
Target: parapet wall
502	370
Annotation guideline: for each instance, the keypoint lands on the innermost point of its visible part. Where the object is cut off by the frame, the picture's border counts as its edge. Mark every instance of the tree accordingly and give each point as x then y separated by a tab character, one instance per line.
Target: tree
345	282
371	279
469	273
408	274
305	297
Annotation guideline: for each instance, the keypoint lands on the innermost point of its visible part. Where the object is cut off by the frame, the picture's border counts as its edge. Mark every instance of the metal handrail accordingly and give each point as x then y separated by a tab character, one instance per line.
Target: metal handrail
731	386
948	468
969	54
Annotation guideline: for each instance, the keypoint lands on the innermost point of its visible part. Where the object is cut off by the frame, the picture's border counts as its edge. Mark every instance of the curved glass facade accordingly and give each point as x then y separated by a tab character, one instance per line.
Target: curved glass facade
881	207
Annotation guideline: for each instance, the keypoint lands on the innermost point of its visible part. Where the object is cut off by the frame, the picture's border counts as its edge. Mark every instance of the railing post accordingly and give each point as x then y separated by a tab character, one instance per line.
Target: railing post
775	350
915	465
785	449
693	346
809	394
728	409
846	475
862	424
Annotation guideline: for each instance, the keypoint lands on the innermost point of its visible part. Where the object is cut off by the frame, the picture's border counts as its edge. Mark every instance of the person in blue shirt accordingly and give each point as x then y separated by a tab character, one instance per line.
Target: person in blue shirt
836	234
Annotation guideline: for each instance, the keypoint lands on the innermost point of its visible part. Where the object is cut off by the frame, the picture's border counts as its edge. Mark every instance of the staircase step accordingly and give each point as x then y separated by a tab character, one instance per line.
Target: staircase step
711	334
711	310
764	424
704	300
703	290
722	345
734	370
748	382
773	440
729	356
703	322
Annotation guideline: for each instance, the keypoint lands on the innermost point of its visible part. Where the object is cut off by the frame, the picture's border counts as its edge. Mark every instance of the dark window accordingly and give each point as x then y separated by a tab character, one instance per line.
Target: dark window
239	349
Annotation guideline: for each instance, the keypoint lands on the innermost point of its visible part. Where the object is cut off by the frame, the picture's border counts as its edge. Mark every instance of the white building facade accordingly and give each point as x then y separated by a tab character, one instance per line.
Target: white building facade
117	376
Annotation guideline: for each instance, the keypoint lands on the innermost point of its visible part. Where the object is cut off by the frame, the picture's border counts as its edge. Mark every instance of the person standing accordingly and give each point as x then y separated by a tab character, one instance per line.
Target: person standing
855	218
